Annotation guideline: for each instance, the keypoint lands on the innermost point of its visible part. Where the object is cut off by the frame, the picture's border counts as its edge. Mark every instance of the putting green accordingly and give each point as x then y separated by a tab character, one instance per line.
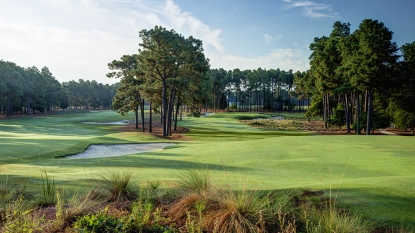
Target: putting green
371	174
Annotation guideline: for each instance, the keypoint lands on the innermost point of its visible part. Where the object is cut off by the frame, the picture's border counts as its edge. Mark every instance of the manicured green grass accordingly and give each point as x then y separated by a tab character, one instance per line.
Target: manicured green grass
374	175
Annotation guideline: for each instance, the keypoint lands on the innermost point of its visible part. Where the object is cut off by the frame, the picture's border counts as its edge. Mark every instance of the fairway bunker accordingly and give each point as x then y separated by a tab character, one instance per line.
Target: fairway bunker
125	122
106	151
207	114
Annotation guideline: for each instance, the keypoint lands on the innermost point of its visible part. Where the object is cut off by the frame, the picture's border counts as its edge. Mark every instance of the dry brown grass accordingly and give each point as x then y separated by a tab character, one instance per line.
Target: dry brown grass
179	210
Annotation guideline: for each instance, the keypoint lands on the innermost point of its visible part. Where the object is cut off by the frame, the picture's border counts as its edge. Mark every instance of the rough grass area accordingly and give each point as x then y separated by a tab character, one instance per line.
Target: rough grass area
371	175
276	124
198	205
290	122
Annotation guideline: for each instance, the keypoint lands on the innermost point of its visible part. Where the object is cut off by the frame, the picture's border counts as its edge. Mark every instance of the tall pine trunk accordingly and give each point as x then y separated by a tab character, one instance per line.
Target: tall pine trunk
137	99
177	112
236	100
325	111
369	111
346	112
142	114
8	107
164	111
357	114
150	124
170	111
214	101
136	116
29	97
161	114
328	107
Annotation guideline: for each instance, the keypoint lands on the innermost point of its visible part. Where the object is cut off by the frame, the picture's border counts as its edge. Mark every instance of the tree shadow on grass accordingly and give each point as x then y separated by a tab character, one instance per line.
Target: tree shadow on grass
384	210
143	162
392	209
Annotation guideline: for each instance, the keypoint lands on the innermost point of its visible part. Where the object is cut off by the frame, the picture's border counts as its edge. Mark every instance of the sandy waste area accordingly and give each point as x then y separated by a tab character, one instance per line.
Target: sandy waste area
105	151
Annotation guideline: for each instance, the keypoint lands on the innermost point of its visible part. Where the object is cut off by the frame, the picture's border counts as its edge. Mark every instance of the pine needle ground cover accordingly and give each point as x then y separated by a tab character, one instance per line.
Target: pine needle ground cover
373	175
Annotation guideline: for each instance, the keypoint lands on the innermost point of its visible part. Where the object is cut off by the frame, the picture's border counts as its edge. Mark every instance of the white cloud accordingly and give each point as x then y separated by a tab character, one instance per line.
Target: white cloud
78	38
268	38
70	55
184	21
313	9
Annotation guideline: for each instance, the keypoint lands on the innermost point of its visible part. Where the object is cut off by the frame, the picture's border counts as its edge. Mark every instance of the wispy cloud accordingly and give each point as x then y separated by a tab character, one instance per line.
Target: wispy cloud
268	38
184	21
312	9
171	15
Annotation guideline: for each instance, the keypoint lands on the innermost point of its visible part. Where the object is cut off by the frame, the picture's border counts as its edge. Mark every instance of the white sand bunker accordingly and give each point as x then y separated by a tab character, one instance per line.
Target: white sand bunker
207	114
126	122
105	151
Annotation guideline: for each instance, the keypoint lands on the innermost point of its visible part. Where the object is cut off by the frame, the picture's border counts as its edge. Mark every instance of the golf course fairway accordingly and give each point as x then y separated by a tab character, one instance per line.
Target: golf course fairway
373	175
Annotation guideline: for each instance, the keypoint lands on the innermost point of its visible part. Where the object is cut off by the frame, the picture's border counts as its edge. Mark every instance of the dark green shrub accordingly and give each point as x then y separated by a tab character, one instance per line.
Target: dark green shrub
233	106
100	222
144	217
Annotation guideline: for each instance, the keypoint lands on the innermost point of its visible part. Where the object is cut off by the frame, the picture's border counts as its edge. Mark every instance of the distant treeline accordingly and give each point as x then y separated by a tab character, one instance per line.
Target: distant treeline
252	90
27	90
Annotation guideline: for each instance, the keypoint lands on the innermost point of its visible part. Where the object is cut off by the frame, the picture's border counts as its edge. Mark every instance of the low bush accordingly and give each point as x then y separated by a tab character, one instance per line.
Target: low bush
100	222
19	217
144	217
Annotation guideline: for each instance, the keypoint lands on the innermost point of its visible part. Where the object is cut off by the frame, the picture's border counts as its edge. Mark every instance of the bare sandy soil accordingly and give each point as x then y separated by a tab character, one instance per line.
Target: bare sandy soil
125	122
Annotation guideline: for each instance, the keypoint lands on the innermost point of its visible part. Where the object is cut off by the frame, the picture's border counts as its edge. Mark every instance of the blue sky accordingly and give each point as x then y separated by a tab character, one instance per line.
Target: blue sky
76	39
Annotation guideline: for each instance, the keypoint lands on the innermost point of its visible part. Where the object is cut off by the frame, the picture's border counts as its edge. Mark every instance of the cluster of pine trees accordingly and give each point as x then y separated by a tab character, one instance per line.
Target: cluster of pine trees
169	71
252	90
27	90
358	79
89	94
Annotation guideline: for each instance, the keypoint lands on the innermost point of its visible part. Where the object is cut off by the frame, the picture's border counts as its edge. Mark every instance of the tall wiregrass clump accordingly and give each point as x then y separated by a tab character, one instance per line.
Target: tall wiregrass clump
321	215
197	187
118	186
195	181
47	191
68	208
205	207
331	220
9	193
240	211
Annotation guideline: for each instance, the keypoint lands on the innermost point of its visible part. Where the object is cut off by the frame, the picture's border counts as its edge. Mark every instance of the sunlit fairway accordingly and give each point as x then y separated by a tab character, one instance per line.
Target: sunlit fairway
374	175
